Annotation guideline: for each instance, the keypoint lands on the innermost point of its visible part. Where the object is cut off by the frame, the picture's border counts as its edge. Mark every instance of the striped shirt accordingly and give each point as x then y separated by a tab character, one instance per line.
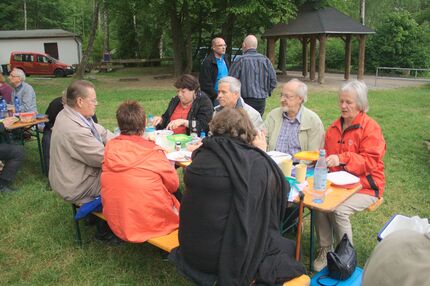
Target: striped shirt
288	139
256	74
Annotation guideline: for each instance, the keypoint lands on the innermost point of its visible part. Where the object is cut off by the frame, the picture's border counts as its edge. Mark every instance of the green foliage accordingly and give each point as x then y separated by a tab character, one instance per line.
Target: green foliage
399	42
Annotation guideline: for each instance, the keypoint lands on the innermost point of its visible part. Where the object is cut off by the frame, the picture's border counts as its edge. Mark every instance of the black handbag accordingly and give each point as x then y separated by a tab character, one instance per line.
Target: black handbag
342	262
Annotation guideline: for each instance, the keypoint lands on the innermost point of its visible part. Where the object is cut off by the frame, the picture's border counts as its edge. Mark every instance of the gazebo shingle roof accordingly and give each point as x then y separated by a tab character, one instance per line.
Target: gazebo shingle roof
323	21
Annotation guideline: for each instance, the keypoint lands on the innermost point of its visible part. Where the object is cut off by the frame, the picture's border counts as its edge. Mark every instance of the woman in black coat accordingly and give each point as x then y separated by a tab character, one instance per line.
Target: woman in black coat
188	105
234	199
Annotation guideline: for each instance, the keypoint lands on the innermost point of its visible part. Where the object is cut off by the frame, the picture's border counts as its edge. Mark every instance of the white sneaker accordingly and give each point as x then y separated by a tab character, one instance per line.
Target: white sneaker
321	261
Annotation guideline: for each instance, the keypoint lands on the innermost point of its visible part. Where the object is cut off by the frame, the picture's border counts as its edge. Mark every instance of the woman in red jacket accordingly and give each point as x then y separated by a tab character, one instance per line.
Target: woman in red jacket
137	181
353	143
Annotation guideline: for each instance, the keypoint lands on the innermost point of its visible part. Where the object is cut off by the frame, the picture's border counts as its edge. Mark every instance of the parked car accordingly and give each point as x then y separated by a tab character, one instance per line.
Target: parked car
38	63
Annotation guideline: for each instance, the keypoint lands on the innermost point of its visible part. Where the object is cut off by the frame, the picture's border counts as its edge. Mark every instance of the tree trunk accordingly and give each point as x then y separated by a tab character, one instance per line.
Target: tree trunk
177	42
362	11
227	34
81	68
106	48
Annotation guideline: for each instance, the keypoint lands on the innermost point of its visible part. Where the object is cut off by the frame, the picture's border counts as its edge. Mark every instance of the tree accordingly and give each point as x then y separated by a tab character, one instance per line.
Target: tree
82	66
400	42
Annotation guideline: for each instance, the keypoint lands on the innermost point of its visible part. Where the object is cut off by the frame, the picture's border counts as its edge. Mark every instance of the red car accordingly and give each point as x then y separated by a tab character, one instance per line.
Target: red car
38	63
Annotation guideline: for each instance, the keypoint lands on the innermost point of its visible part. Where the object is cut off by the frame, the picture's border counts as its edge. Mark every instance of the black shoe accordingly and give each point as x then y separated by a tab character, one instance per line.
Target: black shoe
5	189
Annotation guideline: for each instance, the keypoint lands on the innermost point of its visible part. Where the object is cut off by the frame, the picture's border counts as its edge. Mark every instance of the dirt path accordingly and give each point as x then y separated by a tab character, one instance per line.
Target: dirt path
160	78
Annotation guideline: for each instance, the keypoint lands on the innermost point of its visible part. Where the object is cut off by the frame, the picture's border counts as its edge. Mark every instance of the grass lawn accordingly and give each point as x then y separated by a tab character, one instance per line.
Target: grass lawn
37	245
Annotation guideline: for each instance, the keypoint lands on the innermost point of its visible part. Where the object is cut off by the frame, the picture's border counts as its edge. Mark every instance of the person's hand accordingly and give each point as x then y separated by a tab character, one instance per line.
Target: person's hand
176	123
156	120
332	161
9	121
260	141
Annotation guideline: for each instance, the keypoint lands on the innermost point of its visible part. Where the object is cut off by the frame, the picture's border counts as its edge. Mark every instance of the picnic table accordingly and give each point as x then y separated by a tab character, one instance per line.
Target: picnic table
27	126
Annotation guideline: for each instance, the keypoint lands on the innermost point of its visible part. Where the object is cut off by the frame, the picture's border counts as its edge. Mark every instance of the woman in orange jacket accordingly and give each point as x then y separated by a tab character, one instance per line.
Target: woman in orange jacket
353	143
137	181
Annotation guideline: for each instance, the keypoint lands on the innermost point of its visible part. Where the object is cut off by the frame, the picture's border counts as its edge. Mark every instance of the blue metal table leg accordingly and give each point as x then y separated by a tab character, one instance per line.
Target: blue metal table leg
311	247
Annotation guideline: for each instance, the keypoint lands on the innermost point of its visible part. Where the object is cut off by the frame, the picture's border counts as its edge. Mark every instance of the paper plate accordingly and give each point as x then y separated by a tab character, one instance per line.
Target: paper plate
342	178
278	157
307	155
179	156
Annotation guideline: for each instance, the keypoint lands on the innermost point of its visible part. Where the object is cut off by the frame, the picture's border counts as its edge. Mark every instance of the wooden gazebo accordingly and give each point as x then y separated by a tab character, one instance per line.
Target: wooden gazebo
311	25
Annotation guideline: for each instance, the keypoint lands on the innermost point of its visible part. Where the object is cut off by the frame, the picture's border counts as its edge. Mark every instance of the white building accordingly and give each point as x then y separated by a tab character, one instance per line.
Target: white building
60	44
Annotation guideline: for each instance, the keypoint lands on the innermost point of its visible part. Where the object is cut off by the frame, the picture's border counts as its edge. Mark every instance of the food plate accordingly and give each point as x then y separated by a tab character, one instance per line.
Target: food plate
183	138
342	178
307	155
163	132
179	156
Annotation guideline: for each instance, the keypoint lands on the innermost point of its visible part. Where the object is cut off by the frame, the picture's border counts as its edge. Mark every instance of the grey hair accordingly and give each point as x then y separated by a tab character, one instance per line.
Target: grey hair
360	90
302	89
78	88
20	73
233	82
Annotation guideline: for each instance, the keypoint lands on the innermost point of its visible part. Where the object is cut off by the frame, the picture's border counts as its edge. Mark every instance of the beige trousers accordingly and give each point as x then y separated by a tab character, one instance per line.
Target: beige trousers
338	220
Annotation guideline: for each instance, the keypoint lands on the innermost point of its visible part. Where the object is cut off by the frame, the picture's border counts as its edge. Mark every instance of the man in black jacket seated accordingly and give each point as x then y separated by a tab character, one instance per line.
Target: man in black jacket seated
11	155
214	67
234	199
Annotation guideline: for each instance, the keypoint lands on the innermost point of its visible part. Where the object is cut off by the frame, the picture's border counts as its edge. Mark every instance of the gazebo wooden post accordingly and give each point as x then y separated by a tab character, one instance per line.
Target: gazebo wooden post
313	52
347	57
271	49
305	55
282	55
361	52
321	64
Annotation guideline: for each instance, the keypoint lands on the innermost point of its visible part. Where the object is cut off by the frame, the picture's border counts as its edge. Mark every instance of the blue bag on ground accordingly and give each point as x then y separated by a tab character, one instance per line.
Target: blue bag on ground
87	208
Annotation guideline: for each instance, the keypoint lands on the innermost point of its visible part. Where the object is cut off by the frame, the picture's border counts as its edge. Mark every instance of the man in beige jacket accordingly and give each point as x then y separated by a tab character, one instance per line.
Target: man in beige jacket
292	128
77	146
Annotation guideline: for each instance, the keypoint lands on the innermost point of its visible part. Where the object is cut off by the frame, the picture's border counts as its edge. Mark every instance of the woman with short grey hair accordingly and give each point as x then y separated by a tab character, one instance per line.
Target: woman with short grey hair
353	143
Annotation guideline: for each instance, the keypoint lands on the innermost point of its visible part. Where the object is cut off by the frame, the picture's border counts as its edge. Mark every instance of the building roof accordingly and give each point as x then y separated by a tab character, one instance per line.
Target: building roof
323	21
42	33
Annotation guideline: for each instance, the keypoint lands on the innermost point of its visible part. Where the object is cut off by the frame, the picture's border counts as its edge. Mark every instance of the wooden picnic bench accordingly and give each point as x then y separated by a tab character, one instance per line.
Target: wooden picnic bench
170	241
166	242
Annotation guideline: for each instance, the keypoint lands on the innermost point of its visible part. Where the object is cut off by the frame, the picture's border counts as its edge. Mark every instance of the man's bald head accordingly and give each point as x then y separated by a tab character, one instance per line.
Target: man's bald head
250	42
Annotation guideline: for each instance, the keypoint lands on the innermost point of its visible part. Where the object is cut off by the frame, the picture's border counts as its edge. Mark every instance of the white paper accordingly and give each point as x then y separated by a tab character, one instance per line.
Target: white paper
342	178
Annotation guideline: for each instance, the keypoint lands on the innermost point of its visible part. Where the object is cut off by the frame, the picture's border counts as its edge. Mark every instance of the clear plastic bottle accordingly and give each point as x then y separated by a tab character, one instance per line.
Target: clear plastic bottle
193	132
320	179
150	120
3	108
17	104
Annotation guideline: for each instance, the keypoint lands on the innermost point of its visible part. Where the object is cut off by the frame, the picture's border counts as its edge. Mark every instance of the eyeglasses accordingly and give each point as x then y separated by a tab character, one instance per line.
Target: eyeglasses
288	97
13	75
222	45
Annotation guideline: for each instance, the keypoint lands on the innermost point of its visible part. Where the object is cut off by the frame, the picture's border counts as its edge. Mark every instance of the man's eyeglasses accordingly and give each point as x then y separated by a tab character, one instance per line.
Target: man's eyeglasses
13	75
222	45
288	97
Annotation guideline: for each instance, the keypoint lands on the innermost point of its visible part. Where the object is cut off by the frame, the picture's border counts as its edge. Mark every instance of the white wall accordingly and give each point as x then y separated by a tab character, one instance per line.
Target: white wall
68	50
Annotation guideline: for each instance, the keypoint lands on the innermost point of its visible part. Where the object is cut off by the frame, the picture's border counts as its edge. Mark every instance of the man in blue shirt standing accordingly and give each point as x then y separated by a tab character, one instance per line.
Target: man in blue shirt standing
256	74
214	67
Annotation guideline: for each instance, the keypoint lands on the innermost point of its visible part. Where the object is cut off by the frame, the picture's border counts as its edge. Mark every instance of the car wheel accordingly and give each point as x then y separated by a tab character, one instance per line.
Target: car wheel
59	73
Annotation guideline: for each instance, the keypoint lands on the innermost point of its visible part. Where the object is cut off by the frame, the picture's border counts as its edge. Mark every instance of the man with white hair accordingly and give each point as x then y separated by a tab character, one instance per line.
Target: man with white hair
229	97
292	128
256	74
214	67
24	91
